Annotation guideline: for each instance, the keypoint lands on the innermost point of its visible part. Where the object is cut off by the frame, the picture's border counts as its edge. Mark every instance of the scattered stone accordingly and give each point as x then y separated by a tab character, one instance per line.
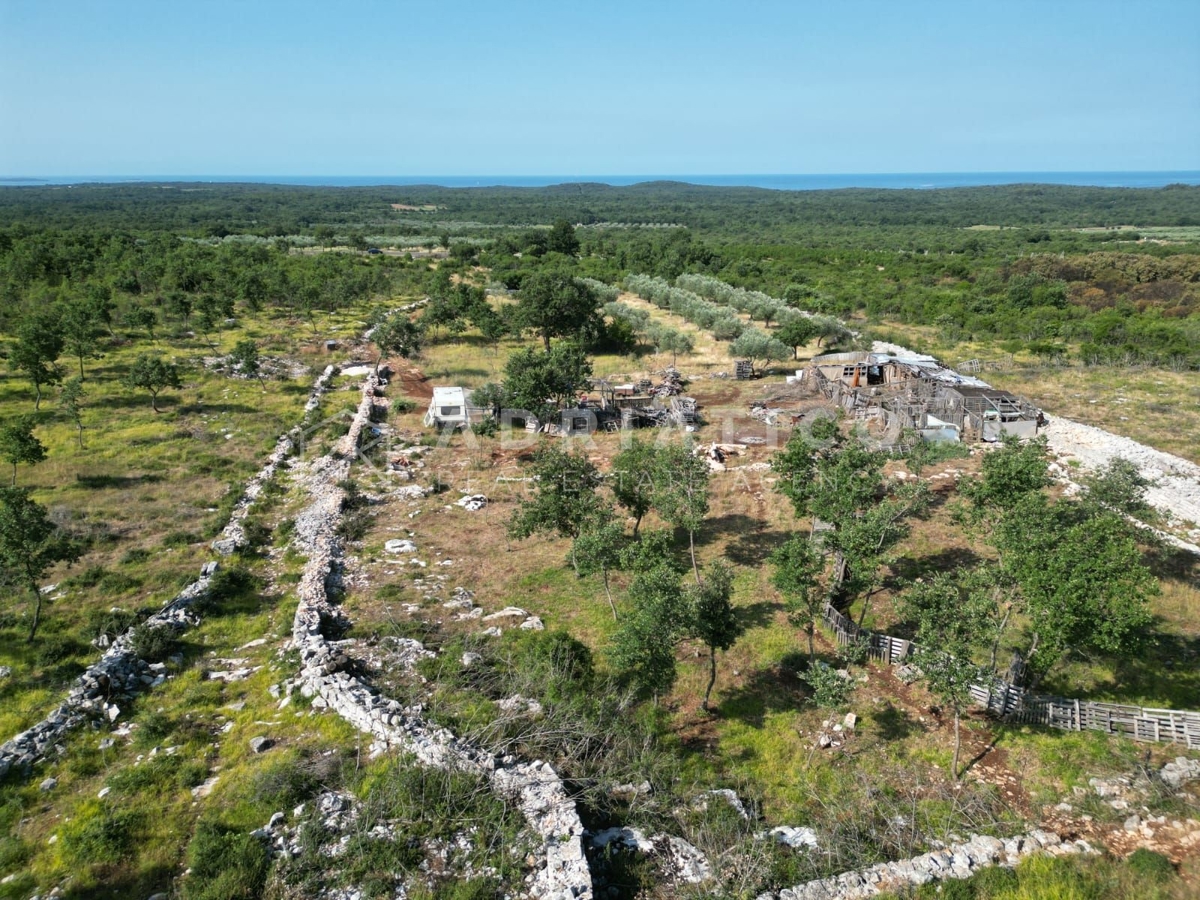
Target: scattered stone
399	545
729	796
509	612
1180	771
472	502
796	838
261	744
533	623
48	785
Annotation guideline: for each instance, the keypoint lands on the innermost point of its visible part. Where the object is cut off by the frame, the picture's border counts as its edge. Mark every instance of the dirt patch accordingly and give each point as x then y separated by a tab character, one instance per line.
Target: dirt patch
411	380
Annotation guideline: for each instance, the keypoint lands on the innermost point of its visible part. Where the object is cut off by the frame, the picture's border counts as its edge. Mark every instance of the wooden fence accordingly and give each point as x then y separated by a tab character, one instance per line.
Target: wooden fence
1008	701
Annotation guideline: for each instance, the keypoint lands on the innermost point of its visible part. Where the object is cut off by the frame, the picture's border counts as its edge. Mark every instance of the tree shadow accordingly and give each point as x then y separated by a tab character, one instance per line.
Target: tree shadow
777	688
947	560
755	615
100	482
1166	561
739	525
895	724
982	754
753	548
1164	669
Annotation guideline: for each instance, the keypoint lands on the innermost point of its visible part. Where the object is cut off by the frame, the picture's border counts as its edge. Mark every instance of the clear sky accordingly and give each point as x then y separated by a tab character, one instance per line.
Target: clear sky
260	87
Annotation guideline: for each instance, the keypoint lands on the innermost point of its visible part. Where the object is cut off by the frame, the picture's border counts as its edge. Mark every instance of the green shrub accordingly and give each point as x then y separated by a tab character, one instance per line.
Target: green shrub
181	538
283	785
1150	865
225	589
135	555
111	622
226	865
154	643
830	690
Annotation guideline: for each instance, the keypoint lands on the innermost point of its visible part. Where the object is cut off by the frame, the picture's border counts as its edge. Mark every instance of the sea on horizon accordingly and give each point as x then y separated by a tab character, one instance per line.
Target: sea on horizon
918	180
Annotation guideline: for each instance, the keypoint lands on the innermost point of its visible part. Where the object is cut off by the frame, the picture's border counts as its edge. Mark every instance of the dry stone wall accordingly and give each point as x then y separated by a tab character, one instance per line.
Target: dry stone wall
956	861
114	679
120	673
562	873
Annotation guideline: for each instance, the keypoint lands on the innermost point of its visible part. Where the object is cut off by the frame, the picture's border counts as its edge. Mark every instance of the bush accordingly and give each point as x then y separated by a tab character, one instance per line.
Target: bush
225	588
830	690
154	643
180	538
226	865
135	555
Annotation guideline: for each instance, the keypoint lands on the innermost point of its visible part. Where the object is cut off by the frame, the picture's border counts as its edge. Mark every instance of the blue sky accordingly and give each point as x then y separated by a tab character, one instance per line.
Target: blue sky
533	88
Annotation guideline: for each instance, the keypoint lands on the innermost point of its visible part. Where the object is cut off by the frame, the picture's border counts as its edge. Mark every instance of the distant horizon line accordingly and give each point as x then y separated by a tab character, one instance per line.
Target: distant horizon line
1146	178
730	174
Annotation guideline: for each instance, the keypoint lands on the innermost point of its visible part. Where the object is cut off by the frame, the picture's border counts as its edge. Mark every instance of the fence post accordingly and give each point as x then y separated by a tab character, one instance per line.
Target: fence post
1078	720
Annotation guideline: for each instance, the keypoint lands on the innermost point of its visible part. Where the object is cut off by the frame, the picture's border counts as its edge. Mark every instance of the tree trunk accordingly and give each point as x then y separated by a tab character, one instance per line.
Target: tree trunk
957	742
79	426
812	651
604	572
154	402
81	367
692	550
37	610
999	634
712	675
637	523
37	401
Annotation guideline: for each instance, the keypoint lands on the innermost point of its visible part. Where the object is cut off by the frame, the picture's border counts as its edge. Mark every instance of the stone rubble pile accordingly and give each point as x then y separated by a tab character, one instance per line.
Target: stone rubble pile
1180	771
534	786
678	861
956	861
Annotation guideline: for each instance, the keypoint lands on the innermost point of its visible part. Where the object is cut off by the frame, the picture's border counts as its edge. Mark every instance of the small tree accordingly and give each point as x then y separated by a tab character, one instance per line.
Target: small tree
597	549
952	623
1120	485
632	479
245	357
564	501
561	238
29	545
395	334
142	317
70	399
681	493
555	304
542	382
19	445
36	351
153	374
1082	578
798	566
643	648
796	331
80	329
713	619
758	346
